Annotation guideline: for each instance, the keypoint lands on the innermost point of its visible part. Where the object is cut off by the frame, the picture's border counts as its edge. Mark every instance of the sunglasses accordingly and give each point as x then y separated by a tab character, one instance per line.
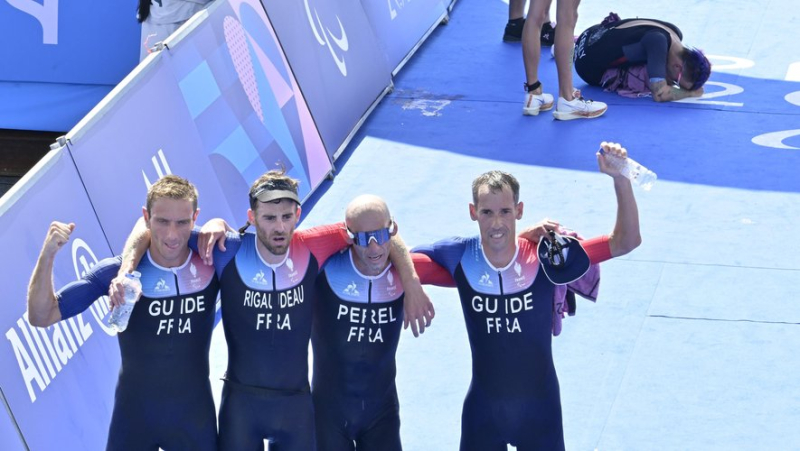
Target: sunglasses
381	236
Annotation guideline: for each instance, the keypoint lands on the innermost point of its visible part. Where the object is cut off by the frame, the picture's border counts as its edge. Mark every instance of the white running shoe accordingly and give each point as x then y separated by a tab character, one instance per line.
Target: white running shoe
536	102
578	108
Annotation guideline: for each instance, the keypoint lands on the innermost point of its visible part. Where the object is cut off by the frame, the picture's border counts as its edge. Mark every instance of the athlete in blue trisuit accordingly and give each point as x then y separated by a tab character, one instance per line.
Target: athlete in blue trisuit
512	310
163	396
268	293
356	329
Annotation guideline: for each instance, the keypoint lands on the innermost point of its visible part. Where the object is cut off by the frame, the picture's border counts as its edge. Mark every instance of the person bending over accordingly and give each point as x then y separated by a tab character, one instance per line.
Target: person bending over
649	49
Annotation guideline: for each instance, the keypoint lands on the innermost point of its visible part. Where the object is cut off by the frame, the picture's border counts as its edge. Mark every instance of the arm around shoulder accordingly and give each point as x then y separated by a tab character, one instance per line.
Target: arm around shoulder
135	247
419	311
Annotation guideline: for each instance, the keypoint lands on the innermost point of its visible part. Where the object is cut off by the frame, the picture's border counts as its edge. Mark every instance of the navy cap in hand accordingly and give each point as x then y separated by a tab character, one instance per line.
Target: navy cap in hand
562	258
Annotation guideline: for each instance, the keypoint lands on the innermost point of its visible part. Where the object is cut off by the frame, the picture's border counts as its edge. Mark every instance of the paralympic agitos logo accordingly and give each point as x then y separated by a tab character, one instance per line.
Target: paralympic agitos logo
328	39
83	260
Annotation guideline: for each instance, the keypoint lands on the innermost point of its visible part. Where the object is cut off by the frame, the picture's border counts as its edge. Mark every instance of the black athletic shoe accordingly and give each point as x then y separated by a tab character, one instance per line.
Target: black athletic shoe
514	27
514	30
548	34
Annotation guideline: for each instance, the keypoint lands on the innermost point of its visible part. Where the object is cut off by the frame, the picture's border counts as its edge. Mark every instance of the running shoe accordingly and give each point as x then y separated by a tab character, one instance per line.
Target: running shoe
578	108
536	102
513	31
548	34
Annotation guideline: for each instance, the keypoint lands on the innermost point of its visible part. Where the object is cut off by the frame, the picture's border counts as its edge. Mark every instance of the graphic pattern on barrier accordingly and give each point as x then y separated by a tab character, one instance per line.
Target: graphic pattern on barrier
337	60
220	106
249	94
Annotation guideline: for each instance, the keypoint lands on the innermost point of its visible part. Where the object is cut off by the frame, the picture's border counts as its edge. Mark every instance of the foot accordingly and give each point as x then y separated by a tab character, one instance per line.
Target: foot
548	34
536	102
578	108
513	31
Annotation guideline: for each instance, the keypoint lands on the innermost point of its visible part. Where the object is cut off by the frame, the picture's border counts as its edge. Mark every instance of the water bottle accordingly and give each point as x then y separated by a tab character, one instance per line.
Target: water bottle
121	314
632	170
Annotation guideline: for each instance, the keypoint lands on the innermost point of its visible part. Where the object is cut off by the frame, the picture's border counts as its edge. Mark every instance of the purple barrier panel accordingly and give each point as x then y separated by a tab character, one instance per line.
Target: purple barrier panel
140	132
336	58
401	25
10	439
245	101
219	107
72	42
58	381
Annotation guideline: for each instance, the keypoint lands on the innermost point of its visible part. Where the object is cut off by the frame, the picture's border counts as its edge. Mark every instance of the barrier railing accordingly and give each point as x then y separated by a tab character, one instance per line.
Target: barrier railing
239	89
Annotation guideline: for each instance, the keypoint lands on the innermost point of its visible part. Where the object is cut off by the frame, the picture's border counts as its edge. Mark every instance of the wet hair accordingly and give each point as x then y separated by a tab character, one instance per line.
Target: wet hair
610	18
143	10
696	67
172	187
275	179
495	180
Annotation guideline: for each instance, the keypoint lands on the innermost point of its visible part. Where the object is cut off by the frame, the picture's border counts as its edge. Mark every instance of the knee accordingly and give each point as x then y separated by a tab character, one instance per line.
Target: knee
538	16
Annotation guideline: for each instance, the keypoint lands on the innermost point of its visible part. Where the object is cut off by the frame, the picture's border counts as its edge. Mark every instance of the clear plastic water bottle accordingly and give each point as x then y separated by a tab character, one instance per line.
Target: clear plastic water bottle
632	170
121	314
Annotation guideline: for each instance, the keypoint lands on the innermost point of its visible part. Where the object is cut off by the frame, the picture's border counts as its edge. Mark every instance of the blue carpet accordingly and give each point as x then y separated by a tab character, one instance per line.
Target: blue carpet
690	345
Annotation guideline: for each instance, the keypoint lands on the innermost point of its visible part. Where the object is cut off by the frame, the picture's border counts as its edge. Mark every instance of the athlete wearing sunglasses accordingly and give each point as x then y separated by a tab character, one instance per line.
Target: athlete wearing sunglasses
268	294
356	330
379	236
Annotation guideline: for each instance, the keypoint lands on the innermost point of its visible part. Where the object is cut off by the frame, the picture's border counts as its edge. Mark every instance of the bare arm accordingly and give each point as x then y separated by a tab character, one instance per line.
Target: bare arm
662	92
42	302
626	235
135	247
213	234
418	308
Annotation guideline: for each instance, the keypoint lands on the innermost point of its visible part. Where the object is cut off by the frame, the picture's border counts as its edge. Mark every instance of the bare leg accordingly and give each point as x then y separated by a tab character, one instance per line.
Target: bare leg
516	9
516	21
538	13
568	107
566	18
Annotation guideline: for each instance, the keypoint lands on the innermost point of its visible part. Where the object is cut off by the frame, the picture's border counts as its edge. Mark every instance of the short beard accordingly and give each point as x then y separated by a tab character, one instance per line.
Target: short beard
276	251
272	249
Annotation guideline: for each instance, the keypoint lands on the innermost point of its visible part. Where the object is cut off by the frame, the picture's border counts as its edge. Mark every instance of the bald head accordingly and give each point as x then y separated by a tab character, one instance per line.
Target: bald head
369	213
366	211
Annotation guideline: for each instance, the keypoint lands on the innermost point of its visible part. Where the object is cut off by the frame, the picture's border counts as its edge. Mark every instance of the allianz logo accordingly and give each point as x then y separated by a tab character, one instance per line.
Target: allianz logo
326	38
42	353
83	260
